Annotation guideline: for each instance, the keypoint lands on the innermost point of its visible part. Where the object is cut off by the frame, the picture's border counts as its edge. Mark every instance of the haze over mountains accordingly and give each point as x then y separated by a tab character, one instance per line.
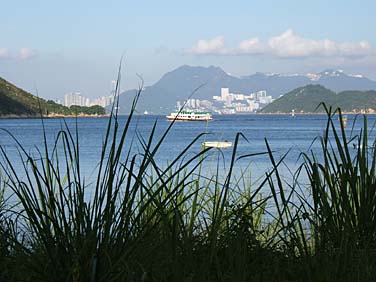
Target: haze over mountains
179	84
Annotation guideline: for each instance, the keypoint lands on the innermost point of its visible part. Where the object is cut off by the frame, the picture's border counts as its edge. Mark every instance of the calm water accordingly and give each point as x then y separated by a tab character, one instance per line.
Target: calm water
283	133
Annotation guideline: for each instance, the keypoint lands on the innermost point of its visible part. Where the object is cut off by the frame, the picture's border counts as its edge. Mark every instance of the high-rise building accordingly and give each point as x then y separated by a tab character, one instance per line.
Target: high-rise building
103	101
113	86
225	93
75	99
261	93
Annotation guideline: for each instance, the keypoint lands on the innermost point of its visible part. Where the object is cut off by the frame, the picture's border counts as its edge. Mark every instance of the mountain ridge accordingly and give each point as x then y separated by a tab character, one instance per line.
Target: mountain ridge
205	82
307	99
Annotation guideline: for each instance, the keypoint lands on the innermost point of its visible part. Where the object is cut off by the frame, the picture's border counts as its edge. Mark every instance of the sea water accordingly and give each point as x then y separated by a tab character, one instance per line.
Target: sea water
287	137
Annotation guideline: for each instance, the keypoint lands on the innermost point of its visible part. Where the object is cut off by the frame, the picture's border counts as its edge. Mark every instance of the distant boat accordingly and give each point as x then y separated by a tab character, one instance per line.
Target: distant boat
190	116
344	120
356	146
293	113
146	112
217	144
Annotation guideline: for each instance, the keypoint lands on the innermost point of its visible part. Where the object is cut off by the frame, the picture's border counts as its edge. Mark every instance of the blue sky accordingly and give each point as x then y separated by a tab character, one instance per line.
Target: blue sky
62	46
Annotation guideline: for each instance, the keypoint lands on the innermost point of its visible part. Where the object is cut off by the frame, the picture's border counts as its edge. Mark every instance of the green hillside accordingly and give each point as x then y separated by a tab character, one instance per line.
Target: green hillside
17	102
306	99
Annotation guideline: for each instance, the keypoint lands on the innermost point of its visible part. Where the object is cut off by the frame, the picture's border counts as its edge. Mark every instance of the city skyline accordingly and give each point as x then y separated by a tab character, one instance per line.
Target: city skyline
78	99
56	48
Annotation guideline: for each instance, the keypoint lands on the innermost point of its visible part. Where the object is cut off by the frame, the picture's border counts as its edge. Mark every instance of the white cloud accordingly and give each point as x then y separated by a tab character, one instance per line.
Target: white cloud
211	46
4	53
290	45
286	45
360	49
250	46
26	53
22	54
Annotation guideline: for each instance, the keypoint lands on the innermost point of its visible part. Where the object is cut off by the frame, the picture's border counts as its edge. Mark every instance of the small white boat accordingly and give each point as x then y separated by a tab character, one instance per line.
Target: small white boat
217	144
356	146
343	121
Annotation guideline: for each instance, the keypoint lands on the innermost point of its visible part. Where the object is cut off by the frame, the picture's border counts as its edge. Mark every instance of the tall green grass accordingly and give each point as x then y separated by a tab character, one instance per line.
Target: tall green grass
342	209
138	220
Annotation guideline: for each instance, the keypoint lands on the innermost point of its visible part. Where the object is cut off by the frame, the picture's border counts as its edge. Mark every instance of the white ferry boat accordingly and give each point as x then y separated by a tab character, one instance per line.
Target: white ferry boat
190	116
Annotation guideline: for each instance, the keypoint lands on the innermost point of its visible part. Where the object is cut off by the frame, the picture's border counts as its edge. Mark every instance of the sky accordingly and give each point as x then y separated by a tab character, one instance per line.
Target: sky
51	48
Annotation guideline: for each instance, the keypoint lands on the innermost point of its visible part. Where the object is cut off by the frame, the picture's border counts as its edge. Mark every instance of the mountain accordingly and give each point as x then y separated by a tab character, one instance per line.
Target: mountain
180	83
337	81
17	102
306	99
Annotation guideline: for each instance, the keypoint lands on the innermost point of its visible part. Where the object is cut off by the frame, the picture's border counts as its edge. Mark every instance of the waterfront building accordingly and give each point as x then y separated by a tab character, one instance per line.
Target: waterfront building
103	101
225	92
265	100
75	99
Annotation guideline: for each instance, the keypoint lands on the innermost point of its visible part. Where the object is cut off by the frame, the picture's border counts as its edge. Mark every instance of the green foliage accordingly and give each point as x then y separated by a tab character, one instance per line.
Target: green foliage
17	102
305	99
342	208
92	110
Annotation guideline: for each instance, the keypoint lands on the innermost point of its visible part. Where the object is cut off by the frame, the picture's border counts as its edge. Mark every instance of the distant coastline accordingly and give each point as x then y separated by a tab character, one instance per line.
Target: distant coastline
318	113
81	115
369	112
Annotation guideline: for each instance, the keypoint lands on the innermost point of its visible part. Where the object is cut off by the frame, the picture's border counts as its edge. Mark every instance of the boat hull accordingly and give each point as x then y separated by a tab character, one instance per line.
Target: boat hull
190	116
172	118
217	144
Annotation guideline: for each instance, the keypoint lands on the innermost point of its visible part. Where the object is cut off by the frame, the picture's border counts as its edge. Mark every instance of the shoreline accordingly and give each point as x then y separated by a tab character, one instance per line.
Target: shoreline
320	113
51	116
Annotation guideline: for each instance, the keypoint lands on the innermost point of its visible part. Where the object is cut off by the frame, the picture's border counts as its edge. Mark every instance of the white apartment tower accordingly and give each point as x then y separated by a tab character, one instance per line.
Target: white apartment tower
75	99
225	92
